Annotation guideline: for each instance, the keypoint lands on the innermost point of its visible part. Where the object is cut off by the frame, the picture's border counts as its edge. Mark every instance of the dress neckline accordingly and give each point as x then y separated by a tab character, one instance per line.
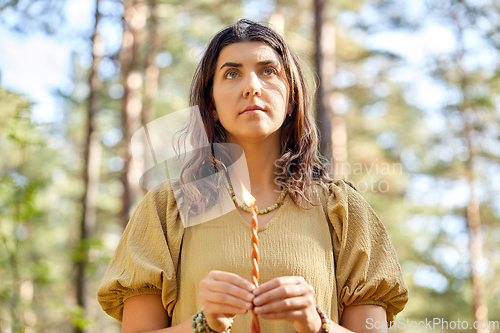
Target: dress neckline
279	212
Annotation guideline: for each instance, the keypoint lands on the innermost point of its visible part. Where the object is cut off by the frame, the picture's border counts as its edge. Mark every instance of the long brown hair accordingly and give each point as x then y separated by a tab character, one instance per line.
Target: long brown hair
300	164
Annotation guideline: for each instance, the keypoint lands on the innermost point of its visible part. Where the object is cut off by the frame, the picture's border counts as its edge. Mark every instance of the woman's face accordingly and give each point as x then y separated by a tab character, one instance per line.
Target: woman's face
250	91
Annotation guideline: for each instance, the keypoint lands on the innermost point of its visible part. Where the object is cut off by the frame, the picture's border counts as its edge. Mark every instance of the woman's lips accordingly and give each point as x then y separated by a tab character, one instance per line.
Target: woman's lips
253	111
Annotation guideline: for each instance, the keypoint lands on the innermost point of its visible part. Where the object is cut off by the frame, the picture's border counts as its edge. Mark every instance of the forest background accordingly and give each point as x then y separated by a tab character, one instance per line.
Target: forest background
408	106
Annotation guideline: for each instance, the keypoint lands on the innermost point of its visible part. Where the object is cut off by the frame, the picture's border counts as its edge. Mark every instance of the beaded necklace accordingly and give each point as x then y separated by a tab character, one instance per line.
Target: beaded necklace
247	209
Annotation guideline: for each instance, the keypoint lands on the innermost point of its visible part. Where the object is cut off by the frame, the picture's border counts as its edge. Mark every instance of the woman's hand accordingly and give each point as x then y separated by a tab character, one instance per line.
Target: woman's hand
288	298
224	295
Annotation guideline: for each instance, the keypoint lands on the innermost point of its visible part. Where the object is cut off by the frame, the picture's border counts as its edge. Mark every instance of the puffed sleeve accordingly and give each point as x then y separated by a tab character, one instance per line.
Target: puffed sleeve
367	268
145	261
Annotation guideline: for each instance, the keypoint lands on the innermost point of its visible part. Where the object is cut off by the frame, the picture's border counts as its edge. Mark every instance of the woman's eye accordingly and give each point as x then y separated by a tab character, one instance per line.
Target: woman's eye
269	71
231	75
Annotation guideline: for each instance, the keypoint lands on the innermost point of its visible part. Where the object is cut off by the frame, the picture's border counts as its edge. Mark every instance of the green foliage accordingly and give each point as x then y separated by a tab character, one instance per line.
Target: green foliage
431	140
392	152
20	215
78	318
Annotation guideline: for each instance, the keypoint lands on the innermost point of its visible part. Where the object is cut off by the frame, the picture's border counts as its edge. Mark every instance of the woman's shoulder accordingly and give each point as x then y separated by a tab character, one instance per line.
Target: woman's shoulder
164	186
336	188
340	197
163	193
159	204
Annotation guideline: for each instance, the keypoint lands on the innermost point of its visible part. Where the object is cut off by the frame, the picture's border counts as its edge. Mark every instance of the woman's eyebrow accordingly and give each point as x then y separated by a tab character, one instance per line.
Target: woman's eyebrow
231	64
267	62
260	63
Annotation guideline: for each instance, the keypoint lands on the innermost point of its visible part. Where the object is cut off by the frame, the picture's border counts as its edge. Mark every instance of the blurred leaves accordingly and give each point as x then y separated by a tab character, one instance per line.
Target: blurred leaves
386	97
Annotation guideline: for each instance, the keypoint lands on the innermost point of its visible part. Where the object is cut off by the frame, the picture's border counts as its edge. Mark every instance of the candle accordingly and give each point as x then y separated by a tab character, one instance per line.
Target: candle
250	201
255	264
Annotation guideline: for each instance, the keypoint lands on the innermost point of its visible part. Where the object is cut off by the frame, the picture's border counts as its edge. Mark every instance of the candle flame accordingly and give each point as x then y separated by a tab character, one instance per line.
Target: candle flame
247	197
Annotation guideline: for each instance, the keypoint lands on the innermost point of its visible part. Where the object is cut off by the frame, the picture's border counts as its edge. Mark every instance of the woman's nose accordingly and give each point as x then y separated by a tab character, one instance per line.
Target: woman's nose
253	86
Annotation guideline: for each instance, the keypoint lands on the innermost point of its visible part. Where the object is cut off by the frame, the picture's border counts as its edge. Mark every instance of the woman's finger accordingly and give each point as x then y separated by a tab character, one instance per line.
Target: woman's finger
277	282
228	284
231	278
288	304
217	308
229	288
225	299
284	315
284	292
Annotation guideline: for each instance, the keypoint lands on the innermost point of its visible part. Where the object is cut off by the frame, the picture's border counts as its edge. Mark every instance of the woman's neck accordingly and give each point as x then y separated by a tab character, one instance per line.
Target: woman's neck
260	160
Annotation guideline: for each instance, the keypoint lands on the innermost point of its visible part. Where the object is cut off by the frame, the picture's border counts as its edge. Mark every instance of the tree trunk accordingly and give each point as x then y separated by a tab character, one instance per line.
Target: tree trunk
92	160
479	307
151	84
277	20
339	144
322	114
134	22
152	70
333	136
17	324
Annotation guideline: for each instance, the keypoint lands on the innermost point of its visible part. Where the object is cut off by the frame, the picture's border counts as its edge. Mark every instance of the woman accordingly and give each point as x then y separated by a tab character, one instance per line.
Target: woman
321	244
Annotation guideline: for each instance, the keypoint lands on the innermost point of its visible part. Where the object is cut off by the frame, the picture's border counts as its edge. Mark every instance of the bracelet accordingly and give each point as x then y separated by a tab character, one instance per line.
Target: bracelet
325	322
199	323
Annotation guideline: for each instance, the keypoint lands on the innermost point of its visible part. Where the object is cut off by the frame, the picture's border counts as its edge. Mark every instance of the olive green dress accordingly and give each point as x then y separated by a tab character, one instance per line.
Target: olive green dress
340	247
